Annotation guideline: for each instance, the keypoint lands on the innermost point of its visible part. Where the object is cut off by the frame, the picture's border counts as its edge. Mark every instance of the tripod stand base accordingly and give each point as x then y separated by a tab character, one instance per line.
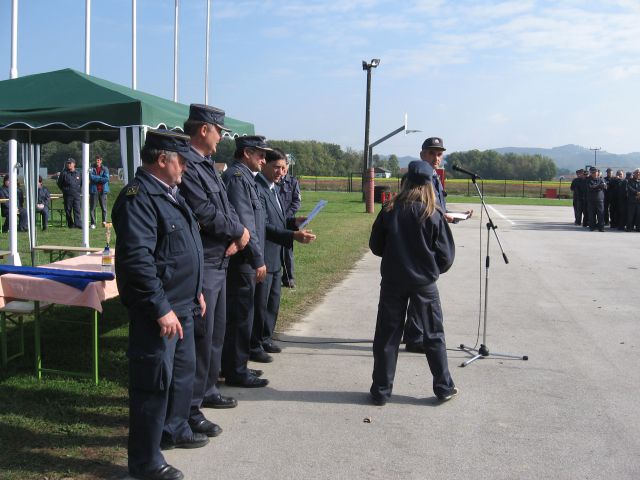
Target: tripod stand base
483	352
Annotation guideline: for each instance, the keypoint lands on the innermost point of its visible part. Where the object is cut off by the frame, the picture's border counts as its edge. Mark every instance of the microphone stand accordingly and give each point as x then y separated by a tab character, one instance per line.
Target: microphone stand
483	351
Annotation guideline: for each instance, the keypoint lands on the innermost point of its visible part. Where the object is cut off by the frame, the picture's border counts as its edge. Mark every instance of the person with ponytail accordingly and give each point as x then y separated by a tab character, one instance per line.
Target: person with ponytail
415	242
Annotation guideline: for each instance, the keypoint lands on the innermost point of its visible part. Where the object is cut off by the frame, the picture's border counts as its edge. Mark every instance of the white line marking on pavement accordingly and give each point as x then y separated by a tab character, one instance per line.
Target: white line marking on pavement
496	211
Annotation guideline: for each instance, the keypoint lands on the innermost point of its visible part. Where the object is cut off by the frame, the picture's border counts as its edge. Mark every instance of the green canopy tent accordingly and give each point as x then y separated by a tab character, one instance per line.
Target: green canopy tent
66	105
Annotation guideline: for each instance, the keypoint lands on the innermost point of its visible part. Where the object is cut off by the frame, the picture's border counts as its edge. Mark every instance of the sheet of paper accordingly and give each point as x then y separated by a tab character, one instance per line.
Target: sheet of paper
319	206
459	215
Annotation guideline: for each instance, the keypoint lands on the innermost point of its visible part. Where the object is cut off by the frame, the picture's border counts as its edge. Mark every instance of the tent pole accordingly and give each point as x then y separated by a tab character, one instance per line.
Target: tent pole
14	256
175	52
206	57
123	155
85	194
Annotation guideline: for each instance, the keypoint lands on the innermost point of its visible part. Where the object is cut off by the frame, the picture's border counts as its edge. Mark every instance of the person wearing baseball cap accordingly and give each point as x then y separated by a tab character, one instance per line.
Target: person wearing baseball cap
159	270
416	245
70	184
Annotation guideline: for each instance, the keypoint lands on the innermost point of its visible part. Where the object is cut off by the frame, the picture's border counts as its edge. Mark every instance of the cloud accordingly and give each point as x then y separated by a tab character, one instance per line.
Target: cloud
498	118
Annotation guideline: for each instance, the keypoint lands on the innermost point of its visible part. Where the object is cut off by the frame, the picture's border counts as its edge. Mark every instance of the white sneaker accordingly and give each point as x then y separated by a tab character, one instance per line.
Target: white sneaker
93	227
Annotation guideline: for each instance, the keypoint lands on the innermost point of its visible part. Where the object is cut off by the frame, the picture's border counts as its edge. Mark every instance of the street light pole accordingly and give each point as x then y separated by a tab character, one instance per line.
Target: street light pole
365	168
595	155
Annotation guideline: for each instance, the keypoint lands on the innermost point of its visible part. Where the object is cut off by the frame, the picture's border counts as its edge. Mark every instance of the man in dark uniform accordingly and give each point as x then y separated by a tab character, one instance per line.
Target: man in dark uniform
608	196
290	199
582	198
577	212
4	207
70	184
42	206
595	200
621	201
159	269
246	268
633	202
281	231
222	235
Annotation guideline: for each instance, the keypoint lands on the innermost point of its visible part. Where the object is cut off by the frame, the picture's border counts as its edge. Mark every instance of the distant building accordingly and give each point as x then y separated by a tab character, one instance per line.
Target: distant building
380	172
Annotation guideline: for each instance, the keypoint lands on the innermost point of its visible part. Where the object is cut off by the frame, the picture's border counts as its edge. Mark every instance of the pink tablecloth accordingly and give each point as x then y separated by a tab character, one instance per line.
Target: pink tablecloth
23	287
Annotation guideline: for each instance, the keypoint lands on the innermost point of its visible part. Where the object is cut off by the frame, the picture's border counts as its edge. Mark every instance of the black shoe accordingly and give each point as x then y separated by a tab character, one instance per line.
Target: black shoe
255	372
379	401
591	229
205	427
601	229
260	357
196	440
271	348
291	285
219	401
414	347
248	382
165	472
449	396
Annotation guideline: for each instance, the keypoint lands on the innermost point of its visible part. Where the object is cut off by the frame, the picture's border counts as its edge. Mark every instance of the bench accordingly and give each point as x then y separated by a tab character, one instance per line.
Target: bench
12	314
64	250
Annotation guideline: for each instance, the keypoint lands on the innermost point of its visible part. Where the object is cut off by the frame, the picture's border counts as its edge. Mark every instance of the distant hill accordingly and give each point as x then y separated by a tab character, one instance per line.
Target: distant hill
570	157
573	157
404	161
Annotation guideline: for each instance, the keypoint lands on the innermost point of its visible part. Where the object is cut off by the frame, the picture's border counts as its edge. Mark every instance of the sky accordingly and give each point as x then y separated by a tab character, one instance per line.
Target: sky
479	74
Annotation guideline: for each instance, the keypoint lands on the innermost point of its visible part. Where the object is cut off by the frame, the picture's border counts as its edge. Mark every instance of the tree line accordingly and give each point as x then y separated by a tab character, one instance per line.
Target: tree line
490	164
322	159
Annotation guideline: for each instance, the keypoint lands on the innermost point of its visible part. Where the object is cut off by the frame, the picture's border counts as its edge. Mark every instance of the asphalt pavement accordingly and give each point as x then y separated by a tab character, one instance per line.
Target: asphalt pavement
567	299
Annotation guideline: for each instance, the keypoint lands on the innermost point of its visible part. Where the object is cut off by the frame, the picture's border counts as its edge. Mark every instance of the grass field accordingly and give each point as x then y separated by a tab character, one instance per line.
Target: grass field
66	428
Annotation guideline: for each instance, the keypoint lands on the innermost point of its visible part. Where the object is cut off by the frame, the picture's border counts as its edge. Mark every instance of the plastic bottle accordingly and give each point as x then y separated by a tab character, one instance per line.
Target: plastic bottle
107	260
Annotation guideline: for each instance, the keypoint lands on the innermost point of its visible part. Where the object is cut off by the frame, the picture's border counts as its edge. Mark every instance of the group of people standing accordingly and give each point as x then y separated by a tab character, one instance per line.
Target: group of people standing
70	184
612	200
42	206
198	266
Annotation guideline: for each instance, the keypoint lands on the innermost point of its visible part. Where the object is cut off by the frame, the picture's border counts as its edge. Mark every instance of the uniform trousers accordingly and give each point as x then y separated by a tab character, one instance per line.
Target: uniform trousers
577	214
241	286
633	216
72	209
412	328
596	213
583	215
267	306
209	339
161	375
392	309
288	274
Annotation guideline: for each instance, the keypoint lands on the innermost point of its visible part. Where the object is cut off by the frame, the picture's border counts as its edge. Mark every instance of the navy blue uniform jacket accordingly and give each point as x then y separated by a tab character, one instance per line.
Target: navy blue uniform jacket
279	229
290	197
70	183
158	250
205	193
413	252
242	193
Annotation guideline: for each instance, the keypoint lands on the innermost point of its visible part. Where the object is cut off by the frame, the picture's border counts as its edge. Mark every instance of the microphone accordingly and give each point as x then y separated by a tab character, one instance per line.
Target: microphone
458	168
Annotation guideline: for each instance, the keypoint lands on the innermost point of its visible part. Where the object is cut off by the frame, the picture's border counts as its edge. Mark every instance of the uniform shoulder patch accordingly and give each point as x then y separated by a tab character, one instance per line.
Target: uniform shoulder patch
237	174
132	190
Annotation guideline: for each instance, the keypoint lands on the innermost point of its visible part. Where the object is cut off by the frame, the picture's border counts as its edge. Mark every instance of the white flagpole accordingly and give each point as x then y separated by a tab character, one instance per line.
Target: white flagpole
14	257
206	60
175	53
134	80
85	146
